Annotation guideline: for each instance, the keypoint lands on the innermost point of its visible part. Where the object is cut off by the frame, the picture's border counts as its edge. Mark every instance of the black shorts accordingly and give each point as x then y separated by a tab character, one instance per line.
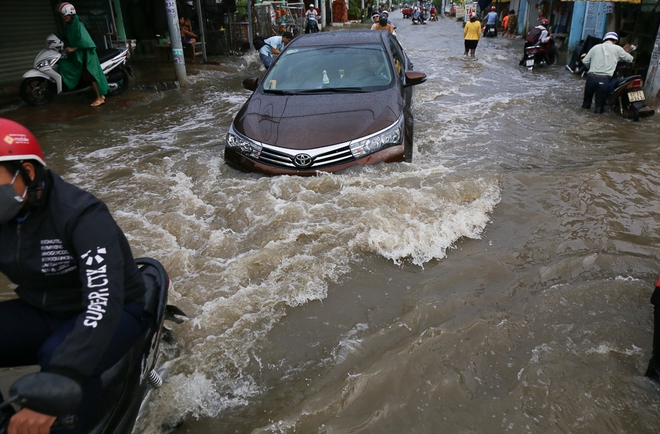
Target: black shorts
471	44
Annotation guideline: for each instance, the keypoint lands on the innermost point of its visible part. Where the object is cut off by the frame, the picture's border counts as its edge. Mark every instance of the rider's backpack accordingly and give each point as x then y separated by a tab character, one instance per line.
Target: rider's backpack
533	35
258	42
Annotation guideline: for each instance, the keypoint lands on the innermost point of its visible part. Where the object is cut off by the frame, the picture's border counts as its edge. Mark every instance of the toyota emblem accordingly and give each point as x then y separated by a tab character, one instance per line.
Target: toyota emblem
302	160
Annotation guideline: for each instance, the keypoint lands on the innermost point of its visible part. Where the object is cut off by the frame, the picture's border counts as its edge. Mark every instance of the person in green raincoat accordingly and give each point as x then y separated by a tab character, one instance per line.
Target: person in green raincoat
81	60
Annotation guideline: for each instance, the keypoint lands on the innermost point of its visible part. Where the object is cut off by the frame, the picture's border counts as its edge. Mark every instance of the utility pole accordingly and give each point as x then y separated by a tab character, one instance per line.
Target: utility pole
202	28
323	14
175	40
250	23
652	85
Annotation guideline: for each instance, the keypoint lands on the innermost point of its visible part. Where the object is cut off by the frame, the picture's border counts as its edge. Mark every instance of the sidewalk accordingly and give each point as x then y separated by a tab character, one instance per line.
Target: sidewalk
148	75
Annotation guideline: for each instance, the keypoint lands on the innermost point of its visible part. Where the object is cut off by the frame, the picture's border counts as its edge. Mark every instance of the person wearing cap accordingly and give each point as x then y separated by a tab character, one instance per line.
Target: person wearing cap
602	60
312	24
375	18
382	24
80	295
81	61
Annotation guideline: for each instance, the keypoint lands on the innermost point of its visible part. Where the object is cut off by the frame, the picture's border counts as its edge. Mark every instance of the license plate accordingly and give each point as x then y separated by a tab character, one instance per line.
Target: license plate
529	62
636	96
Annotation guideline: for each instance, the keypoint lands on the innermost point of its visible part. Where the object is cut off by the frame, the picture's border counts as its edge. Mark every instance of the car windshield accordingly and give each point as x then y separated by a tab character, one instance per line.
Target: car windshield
350	68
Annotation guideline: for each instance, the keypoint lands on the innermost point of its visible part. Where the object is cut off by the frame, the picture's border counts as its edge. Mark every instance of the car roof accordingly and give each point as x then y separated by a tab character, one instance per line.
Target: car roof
339	38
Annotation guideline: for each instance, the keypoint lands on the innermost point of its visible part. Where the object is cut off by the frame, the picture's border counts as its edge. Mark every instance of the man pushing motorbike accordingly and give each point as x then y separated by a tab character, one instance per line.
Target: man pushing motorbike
602	60
80	304
81	61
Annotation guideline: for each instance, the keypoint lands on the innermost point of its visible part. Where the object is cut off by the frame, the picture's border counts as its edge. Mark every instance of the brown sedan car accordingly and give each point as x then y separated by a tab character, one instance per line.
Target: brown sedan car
330	101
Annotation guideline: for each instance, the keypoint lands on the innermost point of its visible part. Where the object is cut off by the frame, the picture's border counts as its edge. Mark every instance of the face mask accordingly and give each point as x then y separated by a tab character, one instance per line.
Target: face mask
10	202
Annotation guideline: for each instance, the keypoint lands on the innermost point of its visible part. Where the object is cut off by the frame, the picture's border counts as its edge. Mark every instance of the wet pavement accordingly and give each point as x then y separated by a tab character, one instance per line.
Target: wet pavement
149	75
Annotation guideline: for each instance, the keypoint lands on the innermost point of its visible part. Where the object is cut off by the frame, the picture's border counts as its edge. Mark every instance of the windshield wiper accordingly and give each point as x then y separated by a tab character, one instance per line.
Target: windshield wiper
334	89
279	92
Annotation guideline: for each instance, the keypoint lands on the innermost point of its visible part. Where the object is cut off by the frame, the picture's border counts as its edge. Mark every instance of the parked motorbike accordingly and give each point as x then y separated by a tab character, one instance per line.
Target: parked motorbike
124	386
628	99
539	55
489	30
627	96
42	83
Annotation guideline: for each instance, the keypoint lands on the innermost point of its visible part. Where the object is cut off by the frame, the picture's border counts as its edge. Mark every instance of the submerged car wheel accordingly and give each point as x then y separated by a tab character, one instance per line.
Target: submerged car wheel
38	91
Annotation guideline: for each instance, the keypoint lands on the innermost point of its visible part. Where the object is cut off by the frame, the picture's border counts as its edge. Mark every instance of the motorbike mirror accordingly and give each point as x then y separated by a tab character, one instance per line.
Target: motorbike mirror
47	393
251	83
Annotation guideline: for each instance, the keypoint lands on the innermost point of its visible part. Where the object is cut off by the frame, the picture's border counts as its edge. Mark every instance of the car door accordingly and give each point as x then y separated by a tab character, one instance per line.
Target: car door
401	65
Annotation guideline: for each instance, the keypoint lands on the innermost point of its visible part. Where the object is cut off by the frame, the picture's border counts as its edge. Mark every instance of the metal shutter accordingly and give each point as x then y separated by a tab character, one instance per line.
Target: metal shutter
24	25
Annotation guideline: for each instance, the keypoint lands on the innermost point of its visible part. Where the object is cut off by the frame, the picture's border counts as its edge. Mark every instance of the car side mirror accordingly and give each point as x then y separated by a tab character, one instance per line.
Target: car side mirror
251	83
47	393
413	78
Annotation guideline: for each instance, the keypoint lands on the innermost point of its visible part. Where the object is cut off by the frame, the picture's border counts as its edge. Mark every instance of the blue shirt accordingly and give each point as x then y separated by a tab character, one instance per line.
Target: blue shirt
491	17
272	42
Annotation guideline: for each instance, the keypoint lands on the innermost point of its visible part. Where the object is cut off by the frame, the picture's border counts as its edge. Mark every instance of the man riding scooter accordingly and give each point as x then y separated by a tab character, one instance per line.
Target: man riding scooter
312	24
80	304
491	22
434	13
540	35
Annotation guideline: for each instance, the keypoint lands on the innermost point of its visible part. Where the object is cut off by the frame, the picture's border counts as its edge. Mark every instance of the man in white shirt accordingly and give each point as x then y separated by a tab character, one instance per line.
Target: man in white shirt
601	61
274	45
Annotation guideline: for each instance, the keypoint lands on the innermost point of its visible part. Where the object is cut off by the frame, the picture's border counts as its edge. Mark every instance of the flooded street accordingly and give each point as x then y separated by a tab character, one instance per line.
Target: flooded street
499	283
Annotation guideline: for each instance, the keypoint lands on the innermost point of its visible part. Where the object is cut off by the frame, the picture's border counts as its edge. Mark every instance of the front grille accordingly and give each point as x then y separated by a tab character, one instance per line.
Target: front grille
320	157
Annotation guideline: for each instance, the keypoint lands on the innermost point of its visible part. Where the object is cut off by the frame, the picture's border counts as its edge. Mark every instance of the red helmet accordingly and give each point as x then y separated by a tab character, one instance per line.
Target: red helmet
17	143
492	8
545	22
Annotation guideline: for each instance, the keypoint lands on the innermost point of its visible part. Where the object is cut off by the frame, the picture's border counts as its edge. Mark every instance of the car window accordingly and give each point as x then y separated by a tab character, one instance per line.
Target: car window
360	67
397	54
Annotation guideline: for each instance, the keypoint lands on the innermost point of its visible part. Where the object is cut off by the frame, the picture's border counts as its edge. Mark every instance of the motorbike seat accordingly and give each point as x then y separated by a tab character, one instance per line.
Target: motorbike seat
105	55
623	81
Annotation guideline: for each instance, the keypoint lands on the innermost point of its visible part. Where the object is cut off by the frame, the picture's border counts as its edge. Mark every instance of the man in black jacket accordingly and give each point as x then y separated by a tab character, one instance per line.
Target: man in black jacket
80	294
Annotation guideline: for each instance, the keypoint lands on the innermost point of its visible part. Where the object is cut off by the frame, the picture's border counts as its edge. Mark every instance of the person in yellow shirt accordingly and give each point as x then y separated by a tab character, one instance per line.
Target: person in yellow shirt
472	34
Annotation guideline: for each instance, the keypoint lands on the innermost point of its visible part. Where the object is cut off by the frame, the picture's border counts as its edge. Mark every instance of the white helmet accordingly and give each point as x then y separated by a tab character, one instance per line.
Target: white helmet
612	36
67	9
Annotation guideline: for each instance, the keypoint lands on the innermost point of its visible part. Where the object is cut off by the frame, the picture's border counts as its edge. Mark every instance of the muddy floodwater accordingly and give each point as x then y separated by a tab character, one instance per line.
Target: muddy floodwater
499	283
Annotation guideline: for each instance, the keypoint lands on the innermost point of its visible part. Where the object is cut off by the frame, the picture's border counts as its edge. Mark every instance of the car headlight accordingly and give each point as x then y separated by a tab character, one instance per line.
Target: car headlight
48	62
243	145
390	136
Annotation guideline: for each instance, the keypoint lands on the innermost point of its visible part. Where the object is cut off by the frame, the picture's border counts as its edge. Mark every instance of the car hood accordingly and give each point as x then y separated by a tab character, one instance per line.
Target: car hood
311	121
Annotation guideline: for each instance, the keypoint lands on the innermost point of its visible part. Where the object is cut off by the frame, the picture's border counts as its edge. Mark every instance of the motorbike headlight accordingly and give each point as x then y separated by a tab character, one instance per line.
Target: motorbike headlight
47	62
243	145
390	136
